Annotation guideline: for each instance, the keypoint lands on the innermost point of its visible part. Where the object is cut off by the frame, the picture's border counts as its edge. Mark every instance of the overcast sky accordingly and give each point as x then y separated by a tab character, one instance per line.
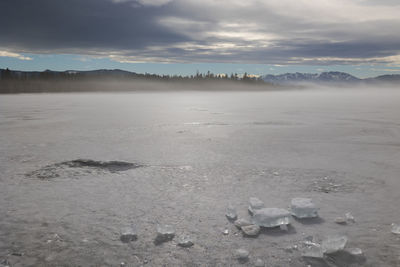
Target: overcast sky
355	35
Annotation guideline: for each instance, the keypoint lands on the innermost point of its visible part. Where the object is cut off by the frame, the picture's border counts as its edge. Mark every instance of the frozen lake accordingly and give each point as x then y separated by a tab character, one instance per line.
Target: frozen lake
195	152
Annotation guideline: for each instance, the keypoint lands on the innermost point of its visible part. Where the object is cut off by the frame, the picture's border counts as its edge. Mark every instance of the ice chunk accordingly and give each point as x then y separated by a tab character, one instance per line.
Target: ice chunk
231	213
334	244
242	254
396	229
271	217
349	217
255	204
251	230
164	233
303	208
239	223
341	220
355	251
185	242
128	234
259	263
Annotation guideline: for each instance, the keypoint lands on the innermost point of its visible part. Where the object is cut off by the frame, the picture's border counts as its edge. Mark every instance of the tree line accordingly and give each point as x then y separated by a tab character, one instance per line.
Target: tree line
6	74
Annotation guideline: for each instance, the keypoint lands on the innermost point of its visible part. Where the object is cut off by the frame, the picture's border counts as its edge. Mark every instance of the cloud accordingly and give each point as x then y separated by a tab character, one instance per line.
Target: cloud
143	2
236	31
14	55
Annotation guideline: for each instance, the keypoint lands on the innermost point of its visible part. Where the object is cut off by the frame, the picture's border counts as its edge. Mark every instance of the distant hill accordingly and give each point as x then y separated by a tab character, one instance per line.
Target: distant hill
391	78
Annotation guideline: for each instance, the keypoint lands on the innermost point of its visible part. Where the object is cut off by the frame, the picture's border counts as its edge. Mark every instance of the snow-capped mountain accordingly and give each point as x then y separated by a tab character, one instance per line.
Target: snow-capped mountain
324	77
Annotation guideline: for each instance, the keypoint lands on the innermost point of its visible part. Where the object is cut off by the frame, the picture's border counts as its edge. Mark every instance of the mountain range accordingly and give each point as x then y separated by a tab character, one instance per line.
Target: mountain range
327	77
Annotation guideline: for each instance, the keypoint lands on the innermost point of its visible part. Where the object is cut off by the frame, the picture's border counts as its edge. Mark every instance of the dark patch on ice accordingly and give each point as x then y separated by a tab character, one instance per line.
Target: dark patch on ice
80	167
276	123
111	166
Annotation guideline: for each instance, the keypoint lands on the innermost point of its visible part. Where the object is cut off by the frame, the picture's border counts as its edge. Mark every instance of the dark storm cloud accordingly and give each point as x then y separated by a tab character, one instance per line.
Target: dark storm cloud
252	31
81	24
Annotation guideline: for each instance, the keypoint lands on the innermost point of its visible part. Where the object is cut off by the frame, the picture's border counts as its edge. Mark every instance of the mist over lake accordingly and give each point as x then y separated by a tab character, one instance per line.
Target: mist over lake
75	168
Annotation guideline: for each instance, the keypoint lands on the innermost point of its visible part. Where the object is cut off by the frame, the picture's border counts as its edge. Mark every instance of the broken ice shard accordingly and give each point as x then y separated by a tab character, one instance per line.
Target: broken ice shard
334	244
255	204
271	217
395	229
164	233
128	234
251	230
242	255
303	208
239	223
185	242
231	213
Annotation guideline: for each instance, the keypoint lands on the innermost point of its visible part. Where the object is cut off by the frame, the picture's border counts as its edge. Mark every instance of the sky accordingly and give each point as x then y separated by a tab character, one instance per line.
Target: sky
361	37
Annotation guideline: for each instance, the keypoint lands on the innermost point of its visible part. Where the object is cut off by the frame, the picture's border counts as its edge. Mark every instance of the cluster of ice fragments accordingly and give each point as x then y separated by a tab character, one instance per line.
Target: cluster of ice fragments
332	248
165	233
271	217
332	251
261	216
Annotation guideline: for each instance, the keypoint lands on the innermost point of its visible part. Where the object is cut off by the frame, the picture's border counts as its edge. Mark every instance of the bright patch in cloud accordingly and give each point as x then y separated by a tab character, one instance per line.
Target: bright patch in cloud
14	55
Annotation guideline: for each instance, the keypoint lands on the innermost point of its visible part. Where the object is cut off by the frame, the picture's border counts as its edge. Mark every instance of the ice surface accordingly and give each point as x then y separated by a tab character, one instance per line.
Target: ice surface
271	217
334	244
255	204
303	208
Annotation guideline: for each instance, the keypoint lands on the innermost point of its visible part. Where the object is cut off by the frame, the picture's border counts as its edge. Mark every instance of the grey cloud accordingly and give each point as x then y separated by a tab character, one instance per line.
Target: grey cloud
195	31
80	25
